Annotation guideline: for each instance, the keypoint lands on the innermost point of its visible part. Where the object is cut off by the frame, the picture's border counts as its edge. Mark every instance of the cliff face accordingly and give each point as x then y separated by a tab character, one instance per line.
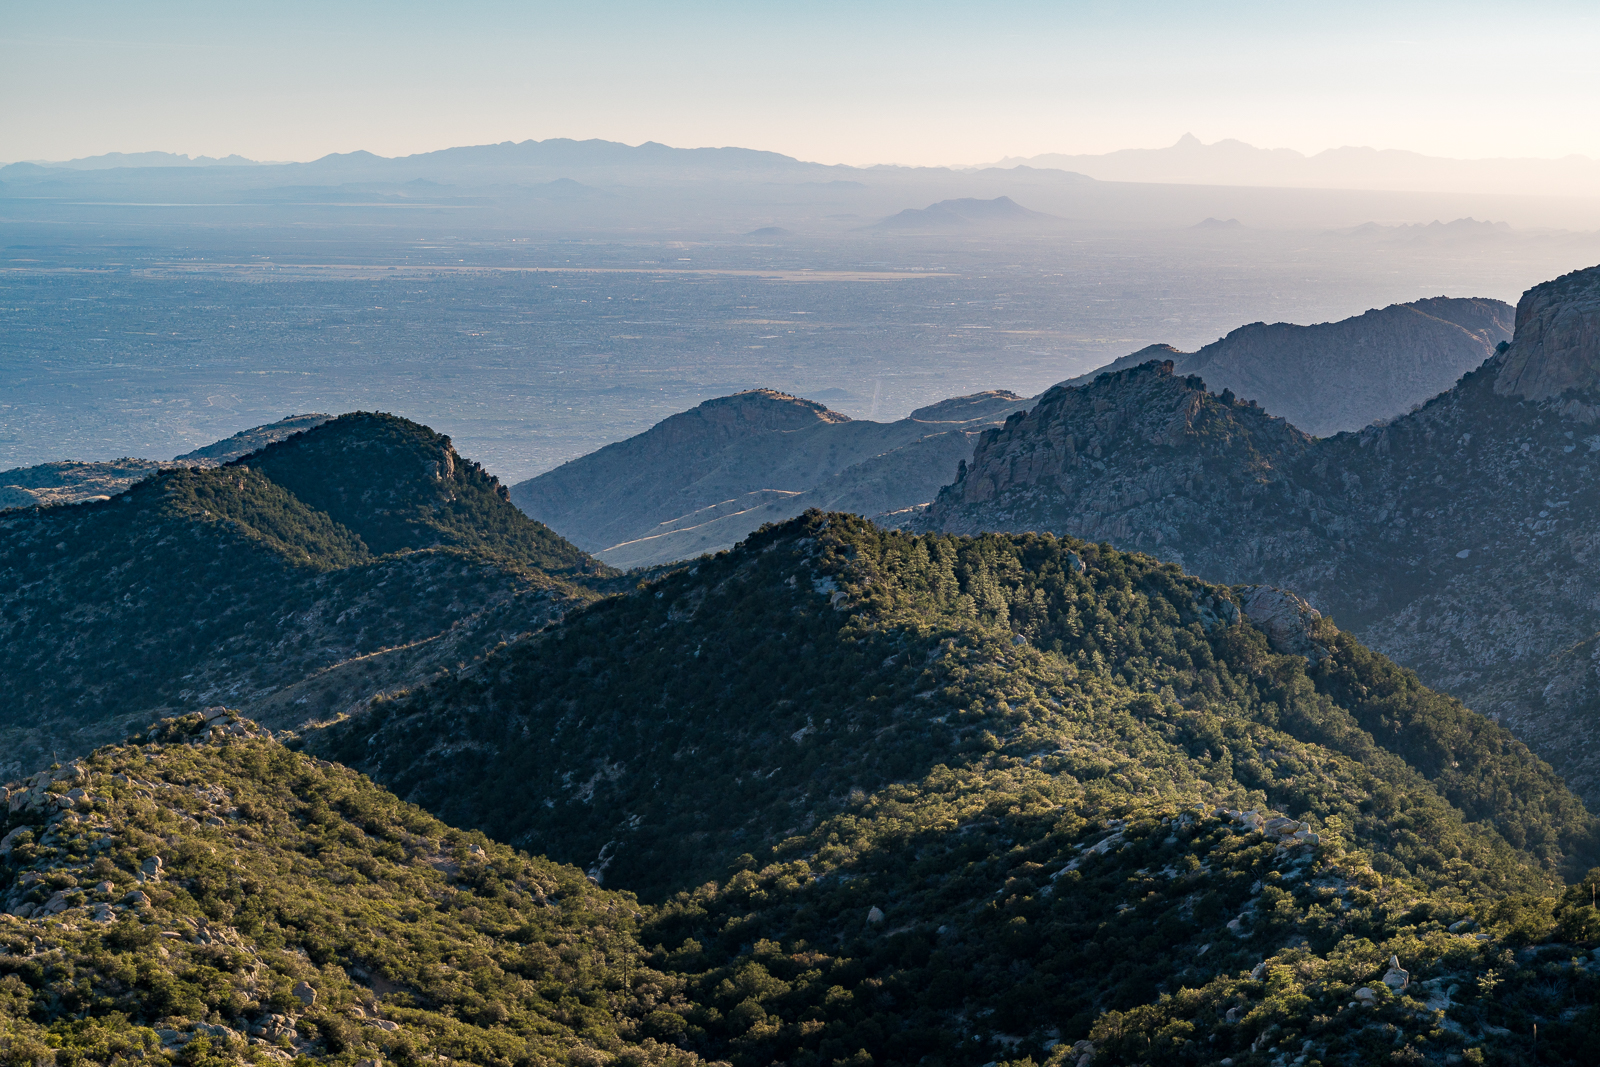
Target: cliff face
1337	376
705	478
1459	539
1557	346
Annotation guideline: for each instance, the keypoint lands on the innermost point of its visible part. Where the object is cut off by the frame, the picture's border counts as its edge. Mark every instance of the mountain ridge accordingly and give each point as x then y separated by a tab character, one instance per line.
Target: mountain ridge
891	799
1401	531
1233	162
1335	376
705	478
74	481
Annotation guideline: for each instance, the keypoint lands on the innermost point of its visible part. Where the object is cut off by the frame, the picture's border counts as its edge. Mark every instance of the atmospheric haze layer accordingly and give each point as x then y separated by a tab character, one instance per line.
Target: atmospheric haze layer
539	300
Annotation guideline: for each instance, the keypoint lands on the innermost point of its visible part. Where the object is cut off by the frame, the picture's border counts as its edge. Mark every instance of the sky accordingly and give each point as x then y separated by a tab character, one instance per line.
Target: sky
926	83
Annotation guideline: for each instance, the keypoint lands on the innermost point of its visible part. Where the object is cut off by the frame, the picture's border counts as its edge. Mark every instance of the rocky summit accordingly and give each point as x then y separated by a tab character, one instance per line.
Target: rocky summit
1344	375
1456	538
1102	461
1557	345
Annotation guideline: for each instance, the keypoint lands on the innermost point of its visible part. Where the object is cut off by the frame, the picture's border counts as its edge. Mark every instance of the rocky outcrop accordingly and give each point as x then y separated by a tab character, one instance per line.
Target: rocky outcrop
1557	346
704	479
1287	620
1144	458
1460	540
1344	375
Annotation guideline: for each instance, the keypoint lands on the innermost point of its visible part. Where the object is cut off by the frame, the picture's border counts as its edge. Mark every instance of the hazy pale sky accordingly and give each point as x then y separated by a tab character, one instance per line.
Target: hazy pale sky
859	82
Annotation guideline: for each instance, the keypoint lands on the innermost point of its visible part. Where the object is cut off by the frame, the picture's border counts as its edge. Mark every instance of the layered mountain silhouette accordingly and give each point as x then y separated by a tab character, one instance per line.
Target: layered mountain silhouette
703	479
1344	375
353	557
1232	162
1452	538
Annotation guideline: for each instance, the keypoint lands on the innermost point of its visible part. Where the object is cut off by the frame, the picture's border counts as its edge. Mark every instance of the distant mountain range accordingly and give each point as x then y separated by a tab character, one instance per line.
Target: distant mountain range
1231	162
1189	160
477	163
561	183
110	160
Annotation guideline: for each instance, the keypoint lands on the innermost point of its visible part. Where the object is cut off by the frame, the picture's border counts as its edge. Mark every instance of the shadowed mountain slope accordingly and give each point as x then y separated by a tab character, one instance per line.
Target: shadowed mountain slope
1457	539
400	486
926	755
705	478
1344	375
198	585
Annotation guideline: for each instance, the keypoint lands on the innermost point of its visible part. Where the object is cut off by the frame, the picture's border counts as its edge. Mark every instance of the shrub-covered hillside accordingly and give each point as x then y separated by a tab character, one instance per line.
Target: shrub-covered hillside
1008	913
655	736
895	800
229	584
209	897
952	800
